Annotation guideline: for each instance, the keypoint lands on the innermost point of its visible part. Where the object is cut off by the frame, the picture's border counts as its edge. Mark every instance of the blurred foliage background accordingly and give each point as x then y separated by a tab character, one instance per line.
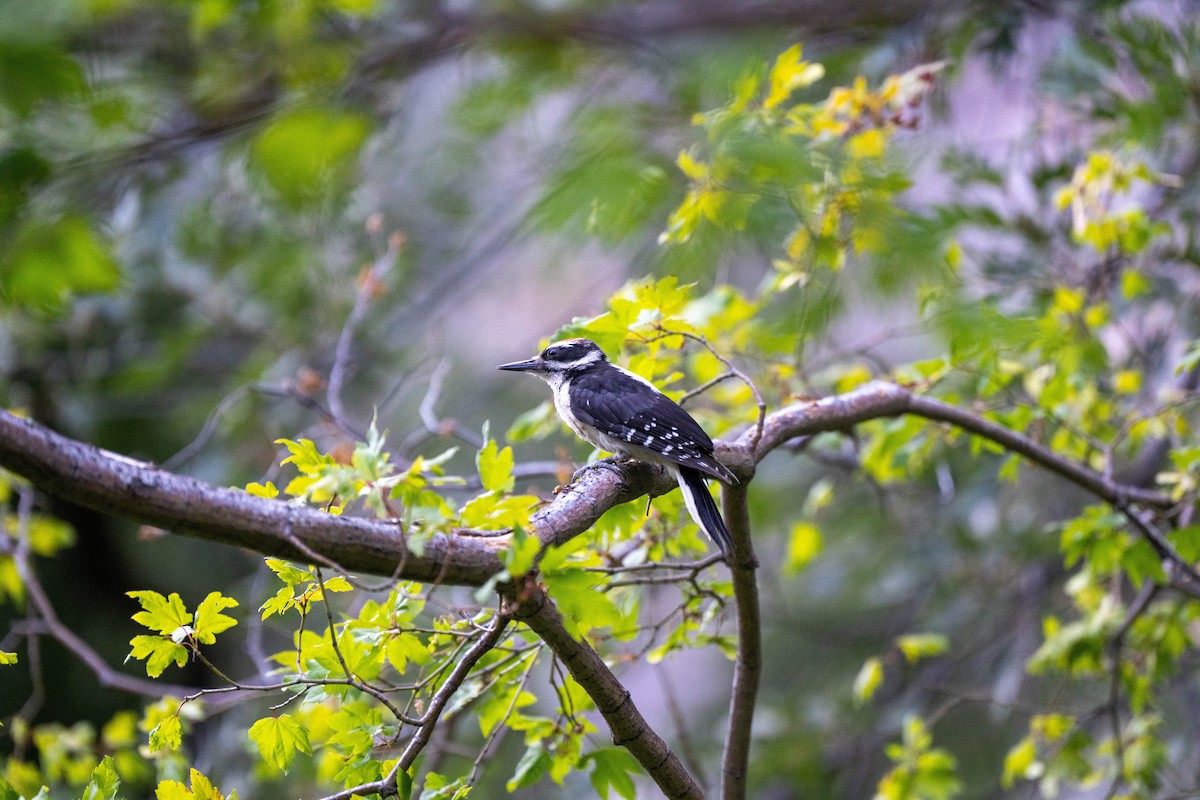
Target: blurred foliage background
196	196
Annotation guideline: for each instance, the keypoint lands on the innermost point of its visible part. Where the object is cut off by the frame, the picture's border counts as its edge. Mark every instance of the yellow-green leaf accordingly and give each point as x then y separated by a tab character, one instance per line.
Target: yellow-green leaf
1134	283
209	619
916	646
279	739
1127	381
172	790
302	152
404	648
163	614
790	73
495	467
869	677
266	490
867	144
804	544
1021	763
158	652
167	734
580	599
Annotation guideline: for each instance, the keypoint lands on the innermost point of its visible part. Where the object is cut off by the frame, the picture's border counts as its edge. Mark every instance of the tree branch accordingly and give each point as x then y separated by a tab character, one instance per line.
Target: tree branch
747	668
139	491
106	676
879	399
369	288
114	484
387	786
529	604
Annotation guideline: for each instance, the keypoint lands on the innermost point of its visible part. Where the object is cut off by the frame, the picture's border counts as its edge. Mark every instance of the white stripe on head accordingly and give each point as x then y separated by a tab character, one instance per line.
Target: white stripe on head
556	353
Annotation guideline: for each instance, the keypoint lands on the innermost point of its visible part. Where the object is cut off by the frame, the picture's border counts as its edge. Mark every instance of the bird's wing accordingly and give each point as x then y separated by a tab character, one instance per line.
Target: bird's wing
618	404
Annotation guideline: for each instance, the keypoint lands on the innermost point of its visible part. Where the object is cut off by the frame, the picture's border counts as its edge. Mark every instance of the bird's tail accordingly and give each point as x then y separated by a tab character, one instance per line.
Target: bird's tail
703	509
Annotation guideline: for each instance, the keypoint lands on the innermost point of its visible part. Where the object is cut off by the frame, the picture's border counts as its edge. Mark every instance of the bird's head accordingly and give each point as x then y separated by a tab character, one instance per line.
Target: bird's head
560	358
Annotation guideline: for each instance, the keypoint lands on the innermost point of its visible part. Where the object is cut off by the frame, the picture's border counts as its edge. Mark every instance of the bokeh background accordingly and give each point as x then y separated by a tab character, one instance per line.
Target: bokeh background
192	195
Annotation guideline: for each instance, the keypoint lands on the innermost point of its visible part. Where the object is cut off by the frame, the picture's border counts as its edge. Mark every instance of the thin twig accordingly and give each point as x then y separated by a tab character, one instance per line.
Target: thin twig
39	600
690	757
369	283
428	410
185	453
1180	572
386	787
501	727
1140	604
531	605
729	366
355	681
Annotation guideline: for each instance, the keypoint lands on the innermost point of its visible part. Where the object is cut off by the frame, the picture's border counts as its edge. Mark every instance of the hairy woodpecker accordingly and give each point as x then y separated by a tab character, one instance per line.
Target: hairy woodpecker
623	413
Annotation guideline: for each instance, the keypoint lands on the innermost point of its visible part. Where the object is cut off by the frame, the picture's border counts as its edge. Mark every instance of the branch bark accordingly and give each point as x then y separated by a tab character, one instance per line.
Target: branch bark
747	669
878	399
89	476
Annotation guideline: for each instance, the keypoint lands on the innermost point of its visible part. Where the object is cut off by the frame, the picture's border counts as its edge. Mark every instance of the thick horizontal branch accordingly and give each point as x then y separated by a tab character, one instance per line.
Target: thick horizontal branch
878	399
89	476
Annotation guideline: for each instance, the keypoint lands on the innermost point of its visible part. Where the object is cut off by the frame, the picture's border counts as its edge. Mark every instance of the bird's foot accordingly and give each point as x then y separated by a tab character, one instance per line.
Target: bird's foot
612	463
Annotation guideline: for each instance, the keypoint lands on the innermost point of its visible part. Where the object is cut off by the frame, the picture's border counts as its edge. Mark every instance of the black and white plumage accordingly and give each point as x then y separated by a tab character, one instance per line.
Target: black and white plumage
623	413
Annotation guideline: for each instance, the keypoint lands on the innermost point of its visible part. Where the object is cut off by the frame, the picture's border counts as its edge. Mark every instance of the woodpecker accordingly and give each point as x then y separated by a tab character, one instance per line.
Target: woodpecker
623	413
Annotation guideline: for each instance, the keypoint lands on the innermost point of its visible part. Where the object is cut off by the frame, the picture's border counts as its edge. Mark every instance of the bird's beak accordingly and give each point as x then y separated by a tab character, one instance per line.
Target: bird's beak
522	366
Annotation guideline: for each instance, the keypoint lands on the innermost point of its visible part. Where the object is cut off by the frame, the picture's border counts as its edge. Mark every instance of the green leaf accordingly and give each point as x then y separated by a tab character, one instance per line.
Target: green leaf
611	769
158	652
1187	542
536	423
33	73
7	658
7	792
916	646
279	739
522	553
579	597
532	766
1021	763
497	705
48	263
167	734
804	545
304	153
438	787
163	614
105	781
495	467
869	677
209	619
